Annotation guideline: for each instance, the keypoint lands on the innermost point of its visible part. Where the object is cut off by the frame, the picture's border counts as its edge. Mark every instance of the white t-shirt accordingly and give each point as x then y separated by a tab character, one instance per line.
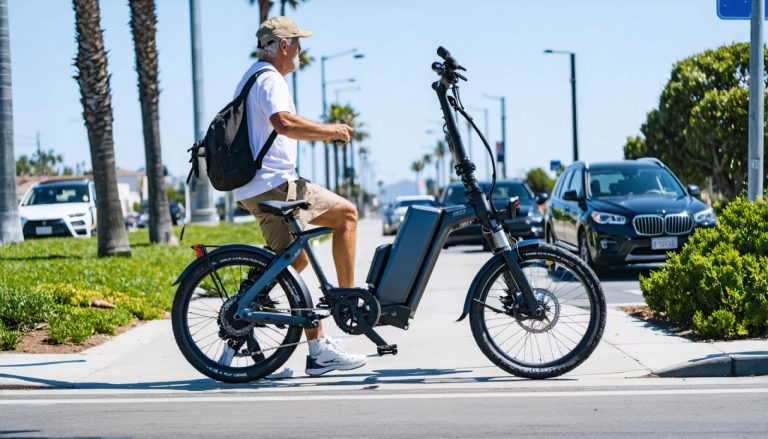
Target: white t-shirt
269	95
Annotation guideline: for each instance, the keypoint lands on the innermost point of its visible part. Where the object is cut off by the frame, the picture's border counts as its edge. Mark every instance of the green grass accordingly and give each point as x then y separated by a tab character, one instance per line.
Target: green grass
54	281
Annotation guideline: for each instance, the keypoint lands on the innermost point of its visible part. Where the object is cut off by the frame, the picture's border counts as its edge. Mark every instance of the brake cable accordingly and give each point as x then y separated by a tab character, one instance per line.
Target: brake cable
455	102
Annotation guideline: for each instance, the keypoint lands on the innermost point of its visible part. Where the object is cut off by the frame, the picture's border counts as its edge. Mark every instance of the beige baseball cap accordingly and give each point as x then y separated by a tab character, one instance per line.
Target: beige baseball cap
276	28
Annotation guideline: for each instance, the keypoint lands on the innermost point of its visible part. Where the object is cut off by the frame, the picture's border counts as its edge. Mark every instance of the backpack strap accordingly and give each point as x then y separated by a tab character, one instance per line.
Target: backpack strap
248	84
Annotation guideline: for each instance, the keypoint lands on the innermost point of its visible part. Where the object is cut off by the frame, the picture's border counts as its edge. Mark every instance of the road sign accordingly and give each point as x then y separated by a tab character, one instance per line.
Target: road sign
735	9
554	165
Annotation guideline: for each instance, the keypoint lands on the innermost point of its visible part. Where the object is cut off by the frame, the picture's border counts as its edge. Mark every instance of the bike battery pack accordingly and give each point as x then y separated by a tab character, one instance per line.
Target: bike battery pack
409	251
377	266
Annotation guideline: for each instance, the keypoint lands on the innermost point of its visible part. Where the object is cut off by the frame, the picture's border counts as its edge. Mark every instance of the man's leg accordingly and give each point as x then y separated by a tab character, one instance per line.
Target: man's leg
342	218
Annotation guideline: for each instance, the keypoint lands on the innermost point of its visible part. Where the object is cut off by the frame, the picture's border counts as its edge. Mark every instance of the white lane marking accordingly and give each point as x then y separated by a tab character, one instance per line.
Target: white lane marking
634	291
545	394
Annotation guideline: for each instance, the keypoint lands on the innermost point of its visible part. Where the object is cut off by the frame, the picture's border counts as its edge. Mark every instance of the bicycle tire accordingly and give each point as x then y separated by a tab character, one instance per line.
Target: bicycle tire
556	366
185	338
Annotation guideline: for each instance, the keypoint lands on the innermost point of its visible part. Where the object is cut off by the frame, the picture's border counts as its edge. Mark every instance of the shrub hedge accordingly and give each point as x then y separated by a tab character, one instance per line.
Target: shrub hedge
718	283
56	282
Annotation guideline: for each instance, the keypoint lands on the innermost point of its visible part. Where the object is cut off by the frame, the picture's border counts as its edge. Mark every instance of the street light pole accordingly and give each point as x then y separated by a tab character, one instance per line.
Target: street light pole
573	99
756	104
323	59
485	133
502	164
203	210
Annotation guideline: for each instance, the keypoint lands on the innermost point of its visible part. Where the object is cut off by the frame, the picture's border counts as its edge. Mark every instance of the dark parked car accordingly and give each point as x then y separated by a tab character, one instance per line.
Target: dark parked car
624	212
178	214
529	223
395	215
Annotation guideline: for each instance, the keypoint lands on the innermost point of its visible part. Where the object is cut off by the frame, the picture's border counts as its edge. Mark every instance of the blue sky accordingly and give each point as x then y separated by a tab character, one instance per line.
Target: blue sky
625	51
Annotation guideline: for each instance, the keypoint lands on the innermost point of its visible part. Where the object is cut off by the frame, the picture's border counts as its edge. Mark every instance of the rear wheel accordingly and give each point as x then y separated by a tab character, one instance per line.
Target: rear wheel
550	346
206	332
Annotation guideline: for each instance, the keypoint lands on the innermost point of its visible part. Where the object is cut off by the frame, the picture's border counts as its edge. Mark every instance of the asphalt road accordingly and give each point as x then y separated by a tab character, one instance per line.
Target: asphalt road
664	412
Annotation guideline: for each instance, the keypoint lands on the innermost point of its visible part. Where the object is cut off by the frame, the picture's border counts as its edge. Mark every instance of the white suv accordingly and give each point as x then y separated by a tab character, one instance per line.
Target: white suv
59	208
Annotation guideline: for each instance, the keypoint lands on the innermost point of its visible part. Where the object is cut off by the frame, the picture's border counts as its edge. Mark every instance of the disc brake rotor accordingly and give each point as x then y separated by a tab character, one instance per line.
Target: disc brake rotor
551	315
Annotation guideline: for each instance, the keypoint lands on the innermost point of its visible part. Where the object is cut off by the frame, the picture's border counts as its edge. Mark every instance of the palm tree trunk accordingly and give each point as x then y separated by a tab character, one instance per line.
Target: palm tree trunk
92	76
264	7
10	226
344	176
143	25
336	167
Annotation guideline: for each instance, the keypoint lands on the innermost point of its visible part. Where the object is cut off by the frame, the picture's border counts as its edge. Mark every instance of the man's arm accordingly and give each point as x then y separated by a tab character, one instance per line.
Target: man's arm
296	127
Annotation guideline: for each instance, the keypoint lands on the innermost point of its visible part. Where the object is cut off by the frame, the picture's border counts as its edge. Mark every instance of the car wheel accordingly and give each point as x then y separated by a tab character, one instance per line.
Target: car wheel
585	254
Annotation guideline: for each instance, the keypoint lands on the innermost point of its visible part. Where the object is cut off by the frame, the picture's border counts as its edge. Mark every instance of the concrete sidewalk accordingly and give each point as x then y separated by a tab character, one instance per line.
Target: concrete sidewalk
435	351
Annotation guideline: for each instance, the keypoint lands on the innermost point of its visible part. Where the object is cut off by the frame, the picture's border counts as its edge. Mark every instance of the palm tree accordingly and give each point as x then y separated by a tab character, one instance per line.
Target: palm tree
143	25
10	225
92	76
426	159
344	114
416	167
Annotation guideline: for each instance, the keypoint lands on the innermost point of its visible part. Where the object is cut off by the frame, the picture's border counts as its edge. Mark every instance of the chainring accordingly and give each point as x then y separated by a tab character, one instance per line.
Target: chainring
355	310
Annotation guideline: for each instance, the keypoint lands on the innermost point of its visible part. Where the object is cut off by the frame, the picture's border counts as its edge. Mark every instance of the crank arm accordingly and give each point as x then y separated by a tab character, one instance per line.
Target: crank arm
382	348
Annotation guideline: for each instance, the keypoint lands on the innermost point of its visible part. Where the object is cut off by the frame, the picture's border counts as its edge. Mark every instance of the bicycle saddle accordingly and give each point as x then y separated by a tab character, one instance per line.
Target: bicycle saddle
283	208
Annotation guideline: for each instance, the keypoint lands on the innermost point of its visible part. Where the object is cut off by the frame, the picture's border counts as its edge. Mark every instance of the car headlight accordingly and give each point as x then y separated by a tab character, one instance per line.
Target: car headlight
704	216
76	215
535	215
23	221
608	218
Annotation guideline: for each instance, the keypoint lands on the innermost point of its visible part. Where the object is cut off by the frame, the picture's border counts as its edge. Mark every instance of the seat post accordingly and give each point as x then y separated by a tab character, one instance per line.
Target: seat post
294	222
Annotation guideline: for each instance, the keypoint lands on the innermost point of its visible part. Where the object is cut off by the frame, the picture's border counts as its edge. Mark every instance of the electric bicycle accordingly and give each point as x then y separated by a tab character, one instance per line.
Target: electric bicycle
535	310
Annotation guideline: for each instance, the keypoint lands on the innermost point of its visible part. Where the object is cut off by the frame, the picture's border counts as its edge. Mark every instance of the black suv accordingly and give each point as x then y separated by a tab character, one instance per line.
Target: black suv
528	224
624	212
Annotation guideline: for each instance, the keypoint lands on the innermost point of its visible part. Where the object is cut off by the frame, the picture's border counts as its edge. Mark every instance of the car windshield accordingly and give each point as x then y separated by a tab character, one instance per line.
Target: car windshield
637	182
406	203
502	192
57	194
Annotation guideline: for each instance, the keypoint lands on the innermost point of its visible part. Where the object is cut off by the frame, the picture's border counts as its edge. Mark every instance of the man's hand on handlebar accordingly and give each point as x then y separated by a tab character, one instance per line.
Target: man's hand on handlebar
341	133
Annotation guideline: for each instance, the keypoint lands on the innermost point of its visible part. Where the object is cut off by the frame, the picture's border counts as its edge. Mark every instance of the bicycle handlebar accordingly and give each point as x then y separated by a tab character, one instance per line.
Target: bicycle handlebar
450	62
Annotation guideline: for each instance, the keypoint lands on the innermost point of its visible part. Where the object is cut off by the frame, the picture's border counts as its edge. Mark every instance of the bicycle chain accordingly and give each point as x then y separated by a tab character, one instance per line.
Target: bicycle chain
247	353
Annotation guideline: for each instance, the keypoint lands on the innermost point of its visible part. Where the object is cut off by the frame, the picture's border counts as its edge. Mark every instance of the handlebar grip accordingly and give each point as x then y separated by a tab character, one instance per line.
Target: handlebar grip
443	53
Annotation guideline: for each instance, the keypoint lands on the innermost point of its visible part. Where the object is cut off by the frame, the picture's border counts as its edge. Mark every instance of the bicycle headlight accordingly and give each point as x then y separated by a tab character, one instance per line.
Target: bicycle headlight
608	218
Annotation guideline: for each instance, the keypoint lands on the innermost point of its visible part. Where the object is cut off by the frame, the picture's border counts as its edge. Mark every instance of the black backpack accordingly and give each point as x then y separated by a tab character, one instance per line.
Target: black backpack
228	157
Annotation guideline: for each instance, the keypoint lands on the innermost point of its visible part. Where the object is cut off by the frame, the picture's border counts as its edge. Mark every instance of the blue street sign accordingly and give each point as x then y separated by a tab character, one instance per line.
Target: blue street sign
736	9
554	165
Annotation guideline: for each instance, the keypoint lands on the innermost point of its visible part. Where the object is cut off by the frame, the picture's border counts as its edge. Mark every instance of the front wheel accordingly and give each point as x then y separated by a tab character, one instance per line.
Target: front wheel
539	347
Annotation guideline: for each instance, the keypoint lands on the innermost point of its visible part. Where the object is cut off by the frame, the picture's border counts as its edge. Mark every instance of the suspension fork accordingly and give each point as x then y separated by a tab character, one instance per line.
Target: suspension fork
465	169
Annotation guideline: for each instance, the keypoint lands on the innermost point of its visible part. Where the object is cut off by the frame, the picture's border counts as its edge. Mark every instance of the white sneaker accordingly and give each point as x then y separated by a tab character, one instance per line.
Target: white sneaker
326	355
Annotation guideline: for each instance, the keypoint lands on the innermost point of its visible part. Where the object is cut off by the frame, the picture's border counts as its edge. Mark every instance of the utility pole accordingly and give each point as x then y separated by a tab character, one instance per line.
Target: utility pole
756	103
573	99
502	163
203	210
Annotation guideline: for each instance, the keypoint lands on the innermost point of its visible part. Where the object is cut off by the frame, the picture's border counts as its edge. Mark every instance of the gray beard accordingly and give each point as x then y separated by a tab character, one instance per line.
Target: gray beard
296	62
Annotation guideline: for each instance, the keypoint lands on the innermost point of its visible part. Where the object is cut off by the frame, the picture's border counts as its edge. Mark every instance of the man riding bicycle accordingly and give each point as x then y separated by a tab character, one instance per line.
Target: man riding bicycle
269	106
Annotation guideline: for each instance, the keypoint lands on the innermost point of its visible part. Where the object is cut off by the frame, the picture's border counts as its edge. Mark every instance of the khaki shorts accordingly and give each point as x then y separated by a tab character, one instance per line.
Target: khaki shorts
278	233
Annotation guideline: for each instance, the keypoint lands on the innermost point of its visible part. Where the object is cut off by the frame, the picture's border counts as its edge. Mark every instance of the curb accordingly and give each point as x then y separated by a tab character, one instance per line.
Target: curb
729	365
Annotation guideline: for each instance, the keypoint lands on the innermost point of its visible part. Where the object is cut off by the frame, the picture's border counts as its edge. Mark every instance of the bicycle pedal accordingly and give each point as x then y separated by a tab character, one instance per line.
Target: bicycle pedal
387	349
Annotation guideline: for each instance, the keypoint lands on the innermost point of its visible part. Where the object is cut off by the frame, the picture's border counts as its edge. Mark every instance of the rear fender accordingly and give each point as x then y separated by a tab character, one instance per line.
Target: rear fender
304	291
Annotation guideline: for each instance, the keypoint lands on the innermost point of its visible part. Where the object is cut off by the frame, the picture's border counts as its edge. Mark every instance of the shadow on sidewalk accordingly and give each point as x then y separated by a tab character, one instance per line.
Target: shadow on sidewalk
368	380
